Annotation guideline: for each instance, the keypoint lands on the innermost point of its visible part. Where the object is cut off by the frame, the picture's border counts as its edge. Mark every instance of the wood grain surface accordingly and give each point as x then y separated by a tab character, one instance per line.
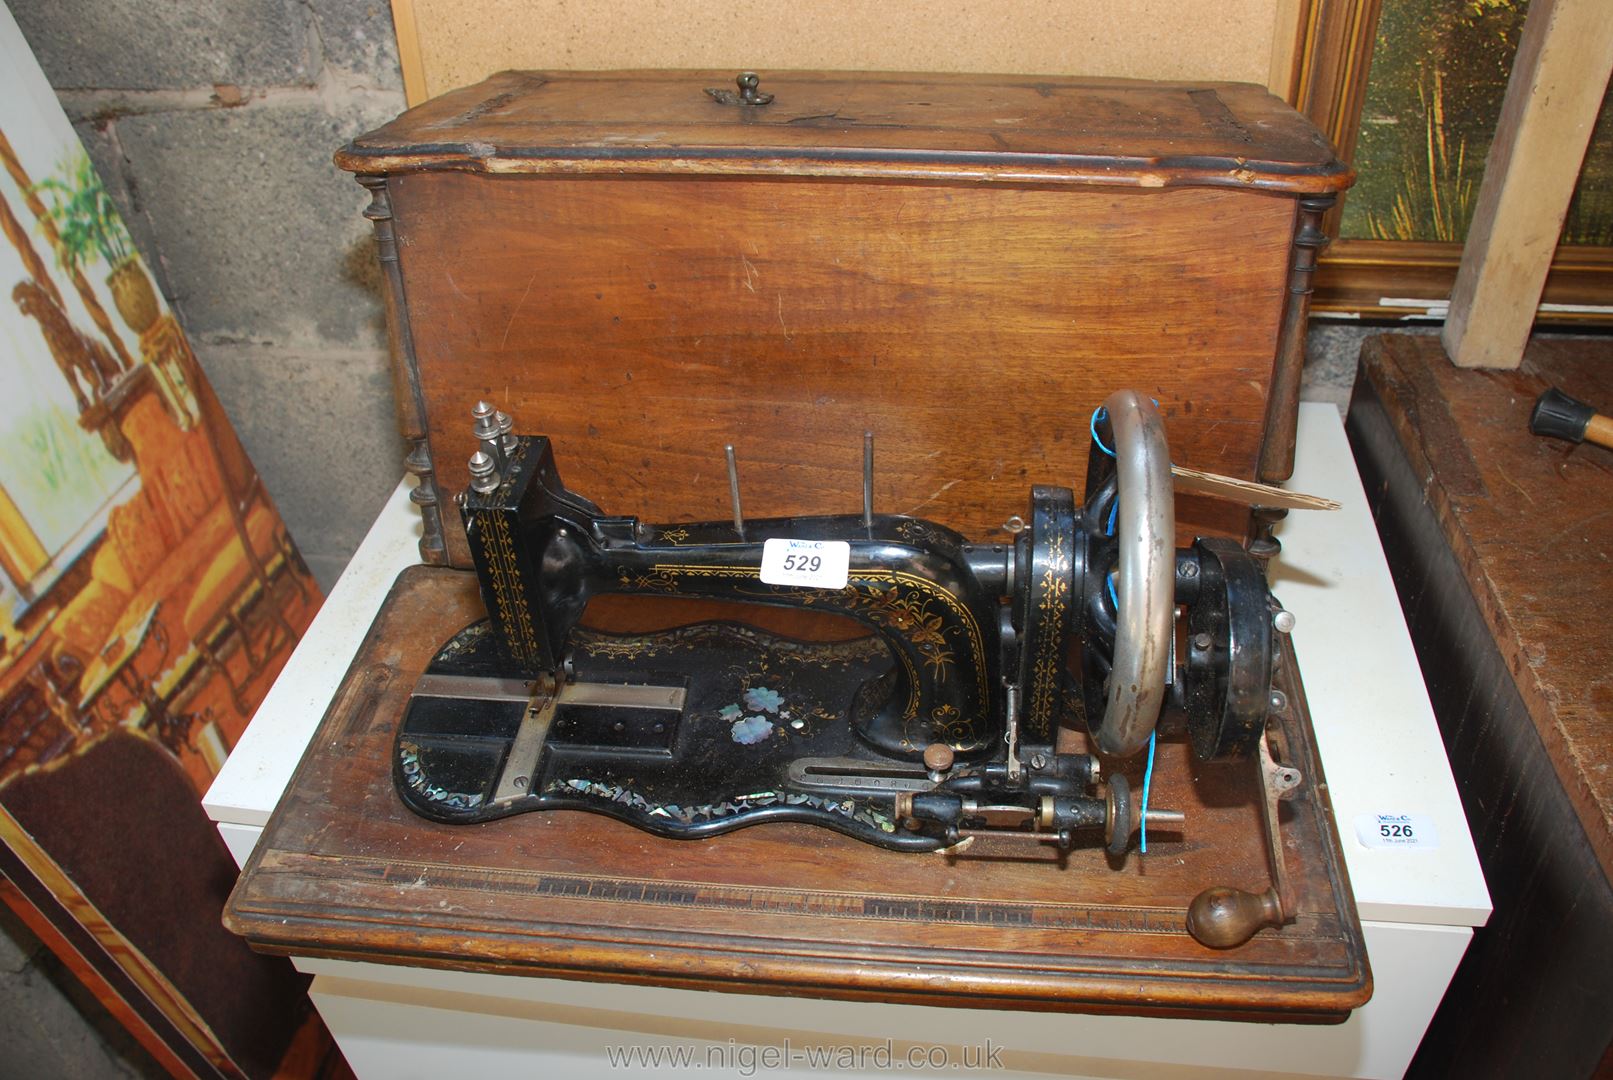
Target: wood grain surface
642	324
1529	997
344	869
968	128
1528	521
964	265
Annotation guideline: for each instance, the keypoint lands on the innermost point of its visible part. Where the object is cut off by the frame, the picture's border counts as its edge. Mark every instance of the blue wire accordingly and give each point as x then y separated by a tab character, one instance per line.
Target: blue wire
1148	778
1148	770
1098	414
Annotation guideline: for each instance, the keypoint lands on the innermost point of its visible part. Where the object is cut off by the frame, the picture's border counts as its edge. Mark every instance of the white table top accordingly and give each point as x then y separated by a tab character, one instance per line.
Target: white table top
248	787
1374	727
1375	731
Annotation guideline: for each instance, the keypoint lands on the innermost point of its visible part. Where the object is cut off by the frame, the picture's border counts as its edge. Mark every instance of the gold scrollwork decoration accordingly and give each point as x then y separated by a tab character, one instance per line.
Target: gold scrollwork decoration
1052	601
656	579
892	598
513	616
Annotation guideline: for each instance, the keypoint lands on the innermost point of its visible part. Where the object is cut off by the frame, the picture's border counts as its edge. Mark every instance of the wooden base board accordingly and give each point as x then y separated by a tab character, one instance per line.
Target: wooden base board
345	870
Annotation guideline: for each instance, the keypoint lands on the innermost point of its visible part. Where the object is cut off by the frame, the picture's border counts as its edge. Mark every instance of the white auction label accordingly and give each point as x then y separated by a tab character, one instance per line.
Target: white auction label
809	564
1396	831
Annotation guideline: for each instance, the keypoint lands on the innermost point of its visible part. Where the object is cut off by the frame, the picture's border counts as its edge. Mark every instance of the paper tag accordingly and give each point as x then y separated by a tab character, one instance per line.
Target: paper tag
809	564
1396	831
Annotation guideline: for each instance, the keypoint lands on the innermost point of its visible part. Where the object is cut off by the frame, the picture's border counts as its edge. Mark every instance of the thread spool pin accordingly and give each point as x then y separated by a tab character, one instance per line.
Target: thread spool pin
733	490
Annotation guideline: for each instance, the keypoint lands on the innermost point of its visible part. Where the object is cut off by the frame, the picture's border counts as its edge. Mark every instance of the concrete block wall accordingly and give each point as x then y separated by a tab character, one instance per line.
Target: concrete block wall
212	125
50	1025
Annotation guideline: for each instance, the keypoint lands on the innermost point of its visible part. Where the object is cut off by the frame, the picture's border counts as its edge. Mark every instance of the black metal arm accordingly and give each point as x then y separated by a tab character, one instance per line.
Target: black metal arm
543	552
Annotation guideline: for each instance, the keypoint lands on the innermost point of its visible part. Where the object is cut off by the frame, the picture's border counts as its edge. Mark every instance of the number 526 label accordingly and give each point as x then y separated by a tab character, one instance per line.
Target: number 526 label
1396	831
811	564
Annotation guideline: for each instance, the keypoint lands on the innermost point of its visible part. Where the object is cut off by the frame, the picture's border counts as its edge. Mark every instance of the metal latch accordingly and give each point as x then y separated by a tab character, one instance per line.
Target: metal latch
748	96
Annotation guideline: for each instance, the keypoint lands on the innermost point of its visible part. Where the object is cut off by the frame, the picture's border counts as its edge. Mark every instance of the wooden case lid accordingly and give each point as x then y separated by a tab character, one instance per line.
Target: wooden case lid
964	265
1113	132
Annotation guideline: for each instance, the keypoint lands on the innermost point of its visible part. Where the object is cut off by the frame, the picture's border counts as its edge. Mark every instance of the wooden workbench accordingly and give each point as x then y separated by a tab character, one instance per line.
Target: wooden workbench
1501	547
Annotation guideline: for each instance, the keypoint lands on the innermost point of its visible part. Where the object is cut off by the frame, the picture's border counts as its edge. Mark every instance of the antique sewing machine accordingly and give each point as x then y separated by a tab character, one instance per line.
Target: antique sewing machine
940	727
942	731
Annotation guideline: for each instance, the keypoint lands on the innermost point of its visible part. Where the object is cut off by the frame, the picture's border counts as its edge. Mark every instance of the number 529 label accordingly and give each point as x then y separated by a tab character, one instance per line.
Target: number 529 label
1396	831
811	564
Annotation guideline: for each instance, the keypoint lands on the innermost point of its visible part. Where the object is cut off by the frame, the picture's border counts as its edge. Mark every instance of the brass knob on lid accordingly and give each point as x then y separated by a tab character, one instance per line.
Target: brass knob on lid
938	757
750	93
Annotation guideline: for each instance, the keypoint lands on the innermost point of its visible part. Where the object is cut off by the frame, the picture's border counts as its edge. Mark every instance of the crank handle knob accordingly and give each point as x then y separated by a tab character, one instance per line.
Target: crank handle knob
1222	917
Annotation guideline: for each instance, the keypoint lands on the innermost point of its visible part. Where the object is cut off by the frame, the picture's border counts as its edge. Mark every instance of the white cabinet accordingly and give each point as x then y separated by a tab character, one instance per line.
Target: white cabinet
1379	746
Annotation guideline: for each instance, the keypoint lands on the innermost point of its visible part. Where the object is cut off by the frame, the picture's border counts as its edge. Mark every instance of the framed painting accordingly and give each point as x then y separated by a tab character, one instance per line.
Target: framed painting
1410	92
149	593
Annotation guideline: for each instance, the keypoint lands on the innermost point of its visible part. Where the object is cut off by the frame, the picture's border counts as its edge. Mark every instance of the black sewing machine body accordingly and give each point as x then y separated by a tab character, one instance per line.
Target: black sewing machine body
739	708
942	724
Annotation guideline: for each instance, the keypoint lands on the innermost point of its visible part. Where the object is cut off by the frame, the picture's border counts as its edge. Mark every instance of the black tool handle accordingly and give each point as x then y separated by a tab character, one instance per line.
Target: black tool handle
1559	416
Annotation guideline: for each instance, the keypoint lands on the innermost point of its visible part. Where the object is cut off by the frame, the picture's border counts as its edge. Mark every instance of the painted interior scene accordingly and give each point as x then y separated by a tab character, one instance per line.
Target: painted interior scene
149	594
146	581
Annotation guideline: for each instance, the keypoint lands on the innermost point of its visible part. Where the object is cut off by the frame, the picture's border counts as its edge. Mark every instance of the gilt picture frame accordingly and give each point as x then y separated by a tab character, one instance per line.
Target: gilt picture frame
1408	279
